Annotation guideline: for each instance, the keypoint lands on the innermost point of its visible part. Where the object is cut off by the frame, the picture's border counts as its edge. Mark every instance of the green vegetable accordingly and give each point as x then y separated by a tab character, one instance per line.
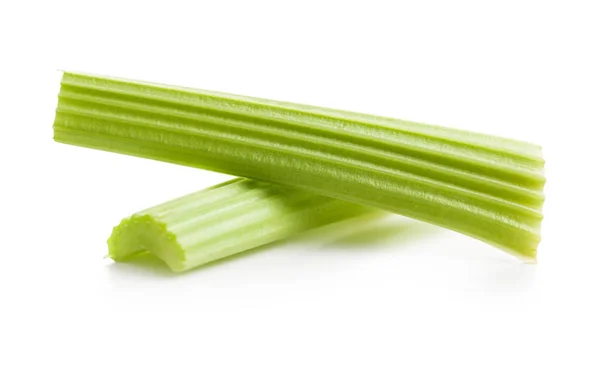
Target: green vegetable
486	187
223	220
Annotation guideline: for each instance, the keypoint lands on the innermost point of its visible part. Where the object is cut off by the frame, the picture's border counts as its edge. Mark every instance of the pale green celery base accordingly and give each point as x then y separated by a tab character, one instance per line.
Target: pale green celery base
222	221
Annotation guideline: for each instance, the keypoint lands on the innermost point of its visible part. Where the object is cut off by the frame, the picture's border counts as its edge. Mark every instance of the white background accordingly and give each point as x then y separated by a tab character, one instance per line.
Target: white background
393	301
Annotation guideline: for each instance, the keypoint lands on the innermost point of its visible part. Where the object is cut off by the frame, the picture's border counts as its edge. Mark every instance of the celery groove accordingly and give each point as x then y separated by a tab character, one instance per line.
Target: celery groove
487	187
223	220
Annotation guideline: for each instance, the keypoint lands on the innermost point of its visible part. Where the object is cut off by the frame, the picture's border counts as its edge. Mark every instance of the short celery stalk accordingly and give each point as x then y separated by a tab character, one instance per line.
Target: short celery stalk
224	220
487	187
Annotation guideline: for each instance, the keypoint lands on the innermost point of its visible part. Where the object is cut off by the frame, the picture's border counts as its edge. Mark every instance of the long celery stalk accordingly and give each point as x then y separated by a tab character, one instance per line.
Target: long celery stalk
487	187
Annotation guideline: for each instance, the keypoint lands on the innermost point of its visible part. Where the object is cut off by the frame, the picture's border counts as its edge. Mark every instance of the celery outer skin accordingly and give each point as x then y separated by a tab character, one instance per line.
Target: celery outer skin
224	220
486	187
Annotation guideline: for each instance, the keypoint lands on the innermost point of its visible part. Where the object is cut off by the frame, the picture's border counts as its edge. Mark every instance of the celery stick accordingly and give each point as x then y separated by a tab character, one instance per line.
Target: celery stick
223	220
487	187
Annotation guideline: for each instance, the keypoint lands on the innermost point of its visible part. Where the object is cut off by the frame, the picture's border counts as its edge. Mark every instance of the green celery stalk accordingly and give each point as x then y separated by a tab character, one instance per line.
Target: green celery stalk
223	220
487	187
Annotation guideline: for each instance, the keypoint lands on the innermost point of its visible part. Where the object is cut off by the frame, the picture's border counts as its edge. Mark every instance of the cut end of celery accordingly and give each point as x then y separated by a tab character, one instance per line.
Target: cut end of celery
145	235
